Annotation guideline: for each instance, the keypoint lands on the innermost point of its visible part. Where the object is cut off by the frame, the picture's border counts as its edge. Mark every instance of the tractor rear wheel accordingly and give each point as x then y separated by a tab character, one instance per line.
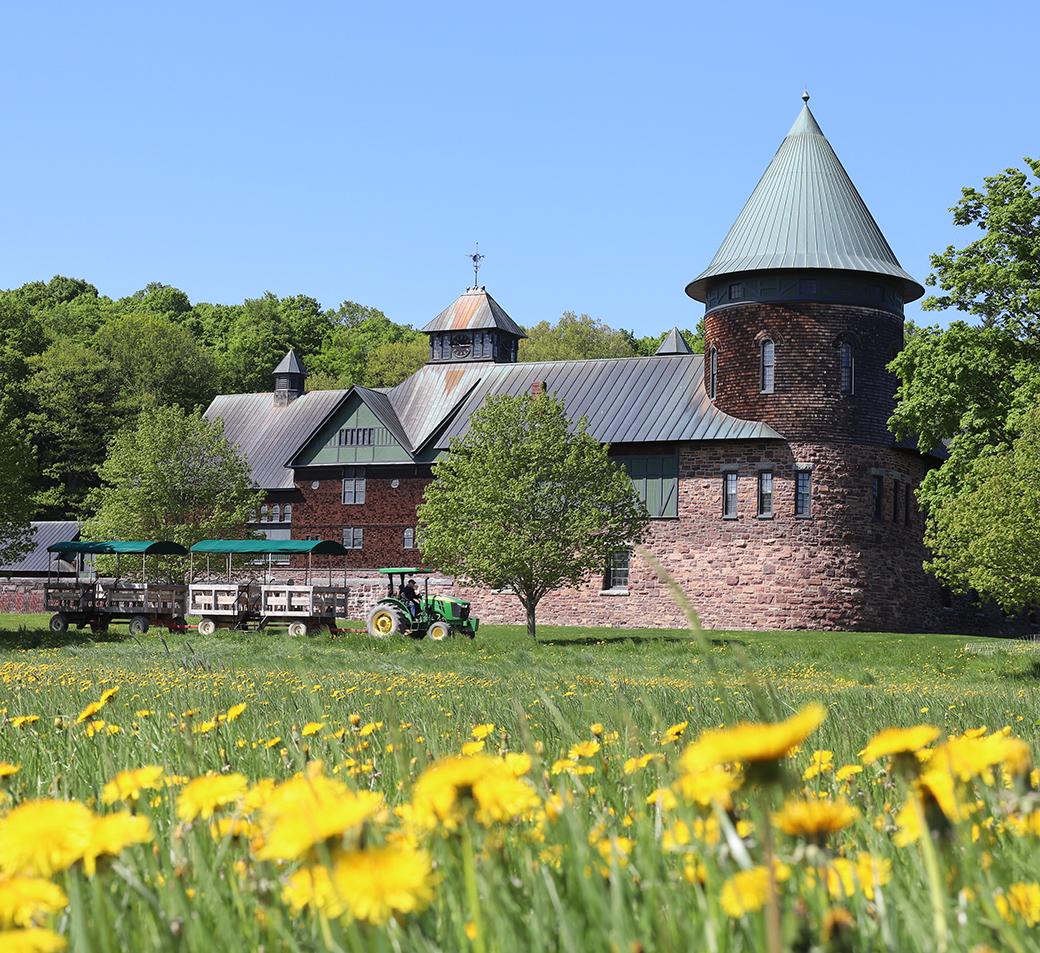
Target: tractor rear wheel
438	631
59	623
385	621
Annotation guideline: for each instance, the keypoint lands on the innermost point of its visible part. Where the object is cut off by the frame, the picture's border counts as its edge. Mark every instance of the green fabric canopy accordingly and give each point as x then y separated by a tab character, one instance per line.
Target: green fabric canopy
116	547
319	547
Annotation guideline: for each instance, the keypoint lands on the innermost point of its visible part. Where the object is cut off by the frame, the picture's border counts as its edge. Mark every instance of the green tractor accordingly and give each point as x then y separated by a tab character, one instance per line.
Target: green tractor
435	617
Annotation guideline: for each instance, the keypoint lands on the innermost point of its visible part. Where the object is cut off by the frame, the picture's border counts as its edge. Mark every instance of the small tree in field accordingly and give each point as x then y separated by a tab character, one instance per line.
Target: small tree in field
521	502
175	476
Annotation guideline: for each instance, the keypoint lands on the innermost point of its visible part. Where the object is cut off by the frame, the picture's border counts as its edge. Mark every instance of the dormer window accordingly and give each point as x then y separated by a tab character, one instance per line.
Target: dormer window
768	365
847	369
713	372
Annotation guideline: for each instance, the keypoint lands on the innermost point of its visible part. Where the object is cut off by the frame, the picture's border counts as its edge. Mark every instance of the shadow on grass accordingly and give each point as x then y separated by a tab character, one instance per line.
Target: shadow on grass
41	639
635	640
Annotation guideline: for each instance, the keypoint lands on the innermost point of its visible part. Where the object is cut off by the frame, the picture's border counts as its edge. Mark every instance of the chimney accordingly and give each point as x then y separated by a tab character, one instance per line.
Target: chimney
289	378
538	387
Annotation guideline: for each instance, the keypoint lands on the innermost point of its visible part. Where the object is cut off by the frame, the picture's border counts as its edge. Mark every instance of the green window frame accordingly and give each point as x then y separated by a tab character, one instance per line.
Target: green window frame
656	480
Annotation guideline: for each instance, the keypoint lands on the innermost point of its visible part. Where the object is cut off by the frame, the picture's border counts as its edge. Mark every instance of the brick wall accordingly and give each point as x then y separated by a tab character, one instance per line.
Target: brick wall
806	403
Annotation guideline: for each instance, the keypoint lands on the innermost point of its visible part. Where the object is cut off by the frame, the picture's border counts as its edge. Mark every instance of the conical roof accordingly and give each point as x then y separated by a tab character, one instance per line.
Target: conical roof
474	310
290	364
674	343
805	213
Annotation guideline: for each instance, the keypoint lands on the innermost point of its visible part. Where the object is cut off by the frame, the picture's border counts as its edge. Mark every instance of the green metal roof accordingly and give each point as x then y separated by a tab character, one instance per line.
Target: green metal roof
319	547
116	547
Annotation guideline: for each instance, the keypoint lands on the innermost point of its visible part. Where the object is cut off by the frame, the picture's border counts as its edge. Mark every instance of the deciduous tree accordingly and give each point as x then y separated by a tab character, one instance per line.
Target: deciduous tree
527	501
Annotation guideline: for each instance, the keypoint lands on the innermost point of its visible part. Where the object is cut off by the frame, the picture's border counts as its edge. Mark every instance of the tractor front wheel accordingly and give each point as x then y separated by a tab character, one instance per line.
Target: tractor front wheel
385	621
439	631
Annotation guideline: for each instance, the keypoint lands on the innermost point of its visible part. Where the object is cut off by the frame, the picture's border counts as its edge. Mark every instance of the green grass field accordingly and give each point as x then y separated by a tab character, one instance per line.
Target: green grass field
573	851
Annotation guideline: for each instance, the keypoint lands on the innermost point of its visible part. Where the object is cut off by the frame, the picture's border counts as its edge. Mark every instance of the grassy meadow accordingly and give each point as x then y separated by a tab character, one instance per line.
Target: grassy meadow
251	791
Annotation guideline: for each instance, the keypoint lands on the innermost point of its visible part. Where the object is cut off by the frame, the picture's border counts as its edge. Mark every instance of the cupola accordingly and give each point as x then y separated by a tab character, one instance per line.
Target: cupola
474	327
289	378
805	234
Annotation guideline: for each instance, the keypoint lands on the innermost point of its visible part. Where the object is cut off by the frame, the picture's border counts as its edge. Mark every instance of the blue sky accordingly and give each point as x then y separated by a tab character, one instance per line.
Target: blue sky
598	152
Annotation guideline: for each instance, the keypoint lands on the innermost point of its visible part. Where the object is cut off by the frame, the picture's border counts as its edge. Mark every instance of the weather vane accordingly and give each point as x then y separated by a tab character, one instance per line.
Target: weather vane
476	258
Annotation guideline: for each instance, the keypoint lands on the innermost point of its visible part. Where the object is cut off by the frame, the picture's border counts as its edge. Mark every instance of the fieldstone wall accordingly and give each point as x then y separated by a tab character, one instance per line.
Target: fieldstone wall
21	594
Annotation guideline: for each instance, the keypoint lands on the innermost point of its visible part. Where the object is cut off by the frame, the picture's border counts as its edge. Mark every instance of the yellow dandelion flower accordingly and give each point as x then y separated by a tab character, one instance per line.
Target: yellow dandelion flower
746	891
371	885
128	785
235	711
707	786
7	769
40	838
1021	901
596	728
632	765
312	728
368	729
837	922
355	719
815	819
519	763
472	747
204	795
674	733
847	772
583	749
89	712
20	721
480	732
451	787
26	900
753	743
32	940
820	763
898	741
111	834
108	694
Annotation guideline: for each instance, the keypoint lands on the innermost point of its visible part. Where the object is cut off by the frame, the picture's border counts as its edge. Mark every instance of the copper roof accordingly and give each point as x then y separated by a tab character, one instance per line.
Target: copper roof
805	213
474	310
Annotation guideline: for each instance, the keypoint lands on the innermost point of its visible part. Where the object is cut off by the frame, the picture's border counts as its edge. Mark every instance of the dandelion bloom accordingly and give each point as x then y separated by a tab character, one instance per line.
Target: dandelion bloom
33	940
898	741
24	900
312	728
128	785
518	762
674	733
583	749
235	711
7	769
480	732
746	891
450	787
632	765
820	763
40	838
1022	900
310	809
371	885
208	793
815	819
111	834
89	712
967	756
751	743
20	721
472	747
847	772
708	786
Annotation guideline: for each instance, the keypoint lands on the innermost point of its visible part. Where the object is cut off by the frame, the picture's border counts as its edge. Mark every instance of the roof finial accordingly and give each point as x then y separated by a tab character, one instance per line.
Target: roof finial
476	258
805	95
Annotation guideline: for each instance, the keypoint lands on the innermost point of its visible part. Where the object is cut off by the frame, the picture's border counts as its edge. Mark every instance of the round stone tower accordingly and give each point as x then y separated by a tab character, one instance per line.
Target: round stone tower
804	302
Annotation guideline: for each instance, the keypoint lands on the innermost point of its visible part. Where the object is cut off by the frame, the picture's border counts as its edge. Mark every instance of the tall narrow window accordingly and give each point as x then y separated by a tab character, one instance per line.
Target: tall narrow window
847	364
768	366
265	513
908	500
897	498
276	513
287	513
409	537
729	495
803	493
878	489
765	493
713	372
354	485
616	576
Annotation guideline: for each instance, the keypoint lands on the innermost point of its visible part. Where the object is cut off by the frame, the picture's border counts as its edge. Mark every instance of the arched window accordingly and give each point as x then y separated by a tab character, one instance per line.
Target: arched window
713	372
409	538
768	362
265	511
287	513
847	365
276	513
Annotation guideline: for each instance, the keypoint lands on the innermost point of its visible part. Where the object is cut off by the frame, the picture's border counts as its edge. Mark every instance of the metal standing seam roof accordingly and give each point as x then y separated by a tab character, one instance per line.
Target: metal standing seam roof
474	310
427	399
268	435
626	400
46	533
805	213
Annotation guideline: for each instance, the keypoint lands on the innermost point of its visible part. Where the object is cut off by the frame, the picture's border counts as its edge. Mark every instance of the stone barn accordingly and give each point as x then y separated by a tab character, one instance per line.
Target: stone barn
778	497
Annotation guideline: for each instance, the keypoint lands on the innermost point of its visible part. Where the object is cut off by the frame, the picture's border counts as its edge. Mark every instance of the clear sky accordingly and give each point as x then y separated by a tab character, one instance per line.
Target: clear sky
597	151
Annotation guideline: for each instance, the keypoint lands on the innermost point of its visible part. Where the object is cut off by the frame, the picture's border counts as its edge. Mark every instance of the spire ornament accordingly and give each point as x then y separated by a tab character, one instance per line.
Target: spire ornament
476	258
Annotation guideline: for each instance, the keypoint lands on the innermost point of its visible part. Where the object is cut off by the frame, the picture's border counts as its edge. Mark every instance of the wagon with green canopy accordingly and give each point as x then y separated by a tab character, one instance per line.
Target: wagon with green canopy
141	597
305	600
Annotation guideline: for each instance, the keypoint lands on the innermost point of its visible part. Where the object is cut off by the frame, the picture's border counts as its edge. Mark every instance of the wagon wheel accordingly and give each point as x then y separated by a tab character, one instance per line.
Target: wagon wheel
439	631
297	629
207	626
59	623
384	621
139	624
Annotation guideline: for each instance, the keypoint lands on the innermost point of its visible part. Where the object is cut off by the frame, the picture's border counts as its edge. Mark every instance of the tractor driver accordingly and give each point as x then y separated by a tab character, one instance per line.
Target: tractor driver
411	598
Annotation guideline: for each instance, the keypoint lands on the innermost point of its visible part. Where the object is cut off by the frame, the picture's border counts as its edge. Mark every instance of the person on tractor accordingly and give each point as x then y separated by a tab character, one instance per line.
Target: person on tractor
411	597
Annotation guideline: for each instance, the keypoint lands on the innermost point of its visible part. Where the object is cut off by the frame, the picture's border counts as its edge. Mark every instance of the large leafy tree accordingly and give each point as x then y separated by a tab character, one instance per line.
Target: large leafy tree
16	504
175	475
973	385
575	337
528	502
